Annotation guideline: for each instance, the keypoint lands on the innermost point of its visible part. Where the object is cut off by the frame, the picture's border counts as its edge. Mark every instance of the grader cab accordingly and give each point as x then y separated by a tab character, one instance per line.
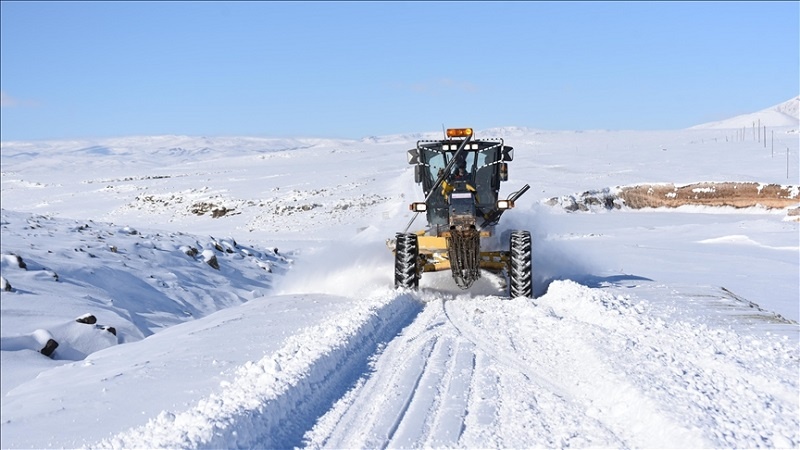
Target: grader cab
460	177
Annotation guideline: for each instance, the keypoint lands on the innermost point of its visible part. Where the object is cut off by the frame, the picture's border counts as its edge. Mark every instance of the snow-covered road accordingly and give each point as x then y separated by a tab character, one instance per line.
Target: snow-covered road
577	367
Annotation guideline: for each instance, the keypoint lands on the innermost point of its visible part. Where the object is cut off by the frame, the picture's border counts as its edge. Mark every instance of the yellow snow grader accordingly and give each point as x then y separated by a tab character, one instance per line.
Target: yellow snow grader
460	176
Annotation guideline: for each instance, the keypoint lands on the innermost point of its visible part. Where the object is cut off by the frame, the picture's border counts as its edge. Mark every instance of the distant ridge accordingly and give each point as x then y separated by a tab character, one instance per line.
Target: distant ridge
786	114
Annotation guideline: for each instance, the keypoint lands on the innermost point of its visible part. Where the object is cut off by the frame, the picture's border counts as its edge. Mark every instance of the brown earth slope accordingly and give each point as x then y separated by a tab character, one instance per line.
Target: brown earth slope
737	195
732	194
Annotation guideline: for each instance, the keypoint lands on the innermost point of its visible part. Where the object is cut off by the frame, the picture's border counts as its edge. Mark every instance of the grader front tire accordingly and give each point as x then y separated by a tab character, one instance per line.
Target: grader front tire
406	260
520	265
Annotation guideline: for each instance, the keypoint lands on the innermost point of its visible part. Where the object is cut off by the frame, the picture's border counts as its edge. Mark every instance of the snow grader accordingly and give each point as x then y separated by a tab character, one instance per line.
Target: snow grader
460	176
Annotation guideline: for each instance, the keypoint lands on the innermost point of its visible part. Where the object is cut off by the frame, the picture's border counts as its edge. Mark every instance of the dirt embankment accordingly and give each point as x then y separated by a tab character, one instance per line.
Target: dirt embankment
733	194
737	195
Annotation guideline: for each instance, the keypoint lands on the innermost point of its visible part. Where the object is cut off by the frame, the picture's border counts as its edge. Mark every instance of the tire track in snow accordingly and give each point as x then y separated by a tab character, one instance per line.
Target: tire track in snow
529	369
403	432
436	413
449	416
371	414
274	401
530	407
482	406
416	397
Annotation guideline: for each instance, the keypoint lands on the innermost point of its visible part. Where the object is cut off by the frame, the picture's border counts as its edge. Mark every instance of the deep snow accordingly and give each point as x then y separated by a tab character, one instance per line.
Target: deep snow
650	328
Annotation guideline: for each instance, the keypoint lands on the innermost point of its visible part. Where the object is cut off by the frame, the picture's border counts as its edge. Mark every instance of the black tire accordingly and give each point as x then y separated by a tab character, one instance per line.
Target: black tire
406	260
520	271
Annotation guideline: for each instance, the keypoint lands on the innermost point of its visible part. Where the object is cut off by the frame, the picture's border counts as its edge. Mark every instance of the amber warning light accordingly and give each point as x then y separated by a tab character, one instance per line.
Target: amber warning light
459	132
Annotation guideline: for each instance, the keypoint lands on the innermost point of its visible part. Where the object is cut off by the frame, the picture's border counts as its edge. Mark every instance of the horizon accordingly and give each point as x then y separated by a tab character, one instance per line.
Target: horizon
74	70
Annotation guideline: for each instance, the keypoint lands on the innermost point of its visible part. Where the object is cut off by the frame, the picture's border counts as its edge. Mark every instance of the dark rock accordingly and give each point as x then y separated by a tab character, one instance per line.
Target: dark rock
20	262
5	285
213	262
217	213
111	330
49	347
87	319
572	206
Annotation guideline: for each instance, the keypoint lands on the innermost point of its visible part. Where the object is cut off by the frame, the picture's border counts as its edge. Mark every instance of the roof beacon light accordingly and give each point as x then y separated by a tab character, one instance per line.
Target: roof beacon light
459	132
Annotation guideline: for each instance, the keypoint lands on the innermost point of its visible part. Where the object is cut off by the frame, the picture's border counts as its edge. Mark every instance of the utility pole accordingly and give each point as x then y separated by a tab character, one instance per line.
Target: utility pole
759	130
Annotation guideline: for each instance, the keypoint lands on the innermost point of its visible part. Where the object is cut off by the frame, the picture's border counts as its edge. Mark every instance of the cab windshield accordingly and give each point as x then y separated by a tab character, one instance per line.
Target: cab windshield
481	167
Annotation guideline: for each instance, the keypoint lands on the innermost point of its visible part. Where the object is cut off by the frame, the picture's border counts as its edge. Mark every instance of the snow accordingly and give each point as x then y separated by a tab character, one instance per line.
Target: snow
786	114
236	292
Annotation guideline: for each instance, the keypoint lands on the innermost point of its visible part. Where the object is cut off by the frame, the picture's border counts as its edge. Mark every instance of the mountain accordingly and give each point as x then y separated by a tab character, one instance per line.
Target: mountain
786	114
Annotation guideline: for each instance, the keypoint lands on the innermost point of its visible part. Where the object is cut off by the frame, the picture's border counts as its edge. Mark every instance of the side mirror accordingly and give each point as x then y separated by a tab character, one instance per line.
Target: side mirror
503	172
418	174
413	156
508	153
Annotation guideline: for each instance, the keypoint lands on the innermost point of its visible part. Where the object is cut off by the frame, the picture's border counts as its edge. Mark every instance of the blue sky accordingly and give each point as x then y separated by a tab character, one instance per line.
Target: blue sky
355	69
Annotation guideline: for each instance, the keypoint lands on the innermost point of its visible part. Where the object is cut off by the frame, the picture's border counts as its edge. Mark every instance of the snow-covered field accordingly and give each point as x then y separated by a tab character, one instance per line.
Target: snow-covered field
239	294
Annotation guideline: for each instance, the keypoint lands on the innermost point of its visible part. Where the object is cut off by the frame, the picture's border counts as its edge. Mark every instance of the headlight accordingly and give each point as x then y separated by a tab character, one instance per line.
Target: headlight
505	204
418	207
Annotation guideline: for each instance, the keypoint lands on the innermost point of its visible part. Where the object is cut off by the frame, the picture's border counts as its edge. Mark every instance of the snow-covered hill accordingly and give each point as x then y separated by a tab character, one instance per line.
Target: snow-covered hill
786	114
249	289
